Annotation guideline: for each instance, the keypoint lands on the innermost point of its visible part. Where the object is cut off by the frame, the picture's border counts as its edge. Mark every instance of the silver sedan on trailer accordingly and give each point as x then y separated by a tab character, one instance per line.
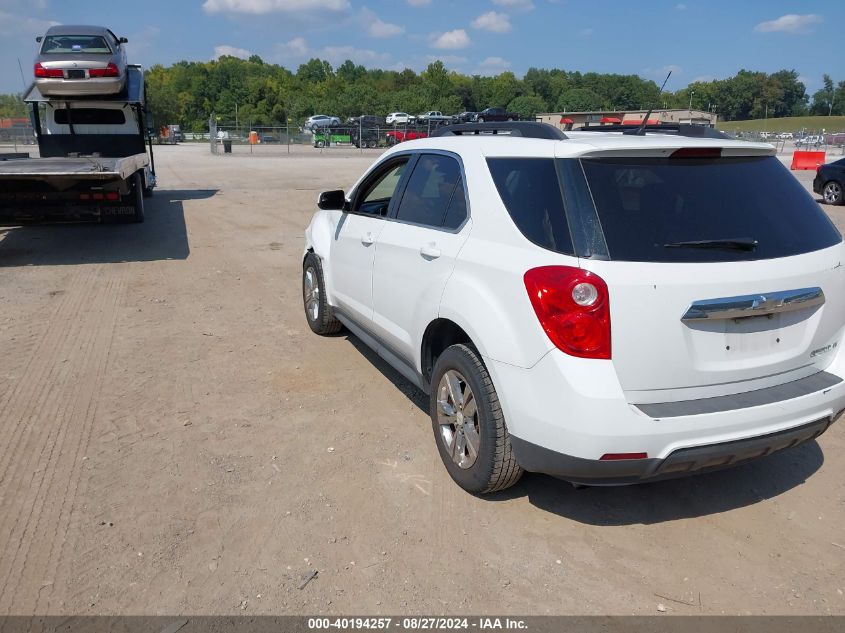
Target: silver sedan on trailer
80	60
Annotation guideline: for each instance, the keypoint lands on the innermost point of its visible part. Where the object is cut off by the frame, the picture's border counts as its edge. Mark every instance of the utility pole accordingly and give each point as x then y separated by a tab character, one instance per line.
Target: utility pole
691	93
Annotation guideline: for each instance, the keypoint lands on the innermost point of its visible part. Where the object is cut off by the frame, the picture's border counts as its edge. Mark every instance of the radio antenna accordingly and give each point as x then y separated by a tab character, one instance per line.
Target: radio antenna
640	131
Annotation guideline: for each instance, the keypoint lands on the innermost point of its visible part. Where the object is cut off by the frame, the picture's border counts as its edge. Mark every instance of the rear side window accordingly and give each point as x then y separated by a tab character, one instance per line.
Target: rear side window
657	209
90	116
530	191
433	185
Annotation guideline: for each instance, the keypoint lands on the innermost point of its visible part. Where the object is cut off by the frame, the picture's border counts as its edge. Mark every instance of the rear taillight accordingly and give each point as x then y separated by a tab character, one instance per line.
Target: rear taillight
573	307
108	71
48	73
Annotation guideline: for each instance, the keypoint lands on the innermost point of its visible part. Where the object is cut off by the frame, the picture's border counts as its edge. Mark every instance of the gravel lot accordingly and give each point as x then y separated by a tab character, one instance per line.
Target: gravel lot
175	440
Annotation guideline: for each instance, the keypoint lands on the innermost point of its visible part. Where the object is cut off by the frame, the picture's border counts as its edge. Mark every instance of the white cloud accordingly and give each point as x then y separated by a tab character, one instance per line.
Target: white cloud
297	48
258	7
493	66
493	22
419	3
447	59
451	40
339	54
790	23
520	5
15	25
379	28
234	51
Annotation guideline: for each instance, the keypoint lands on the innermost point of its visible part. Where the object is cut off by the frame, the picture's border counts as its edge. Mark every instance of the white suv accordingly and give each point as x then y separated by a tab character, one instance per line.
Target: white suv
605	307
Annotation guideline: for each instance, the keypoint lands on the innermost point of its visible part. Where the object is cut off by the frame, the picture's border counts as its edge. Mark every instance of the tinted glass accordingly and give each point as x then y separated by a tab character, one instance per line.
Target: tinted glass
645	204
457	211
530	191
429	191
90	116
378	192
62	44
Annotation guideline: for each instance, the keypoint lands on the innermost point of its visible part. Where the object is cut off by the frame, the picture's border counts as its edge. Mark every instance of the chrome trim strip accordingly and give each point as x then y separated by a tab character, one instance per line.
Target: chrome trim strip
746	306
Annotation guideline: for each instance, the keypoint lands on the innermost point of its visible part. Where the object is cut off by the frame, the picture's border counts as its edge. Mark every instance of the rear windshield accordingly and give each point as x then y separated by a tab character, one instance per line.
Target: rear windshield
90	116
650	210
63	44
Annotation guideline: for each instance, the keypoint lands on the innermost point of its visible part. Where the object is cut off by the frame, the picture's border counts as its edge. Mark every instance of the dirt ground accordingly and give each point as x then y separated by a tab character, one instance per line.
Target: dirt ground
175	440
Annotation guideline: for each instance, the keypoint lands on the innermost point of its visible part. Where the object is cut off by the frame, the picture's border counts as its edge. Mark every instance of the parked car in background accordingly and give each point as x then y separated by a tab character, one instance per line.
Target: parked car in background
80	60
366	120
398	136
810	141
465	117
433	115
496	114
398	118
320	120
830	182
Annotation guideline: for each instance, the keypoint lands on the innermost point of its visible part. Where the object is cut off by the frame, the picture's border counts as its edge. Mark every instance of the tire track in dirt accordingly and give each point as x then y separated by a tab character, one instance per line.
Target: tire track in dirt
51	413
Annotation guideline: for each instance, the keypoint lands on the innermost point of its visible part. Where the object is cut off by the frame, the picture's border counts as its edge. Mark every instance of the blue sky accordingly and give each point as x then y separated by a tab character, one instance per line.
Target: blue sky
698	39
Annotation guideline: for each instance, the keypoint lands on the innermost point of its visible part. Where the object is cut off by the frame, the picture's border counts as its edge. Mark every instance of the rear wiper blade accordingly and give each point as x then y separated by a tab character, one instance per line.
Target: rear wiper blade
737	243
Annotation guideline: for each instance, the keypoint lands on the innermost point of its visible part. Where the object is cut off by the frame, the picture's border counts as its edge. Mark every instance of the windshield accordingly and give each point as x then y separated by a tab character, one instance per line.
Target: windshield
711	209
62	44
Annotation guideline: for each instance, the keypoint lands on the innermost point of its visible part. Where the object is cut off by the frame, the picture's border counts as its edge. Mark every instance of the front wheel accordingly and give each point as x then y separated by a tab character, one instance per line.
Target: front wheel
468	423
832	192
318	312
480	119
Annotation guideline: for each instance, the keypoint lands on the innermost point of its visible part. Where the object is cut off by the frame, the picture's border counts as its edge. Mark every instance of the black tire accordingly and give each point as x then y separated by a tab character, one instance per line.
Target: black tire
138	198
319	315
494	468
832	192
391	141
510	119
372	144
480	119
320	144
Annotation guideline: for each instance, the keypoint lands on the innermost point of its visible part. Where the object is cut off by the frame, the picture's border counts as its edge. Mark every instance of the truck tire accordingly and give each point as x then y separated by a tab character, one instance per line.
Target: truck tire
137	190
148	191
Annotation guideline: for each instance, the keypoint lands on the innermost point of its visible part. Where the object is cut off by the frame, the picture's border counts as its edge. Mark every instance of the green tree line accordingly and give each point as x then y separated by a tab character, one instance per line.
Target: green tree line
261	94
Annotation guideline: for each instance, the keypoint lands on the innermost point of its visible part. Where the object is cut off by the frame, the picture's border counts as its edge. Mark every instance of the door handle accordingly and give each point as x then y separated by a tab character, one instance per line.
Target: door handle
367	239
430	251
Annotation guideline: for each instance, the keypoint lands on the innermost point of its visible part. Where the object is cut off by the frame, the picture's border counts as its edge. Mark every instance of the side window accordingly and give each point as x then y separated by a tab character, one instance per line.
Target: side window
377	193
530	190
430	189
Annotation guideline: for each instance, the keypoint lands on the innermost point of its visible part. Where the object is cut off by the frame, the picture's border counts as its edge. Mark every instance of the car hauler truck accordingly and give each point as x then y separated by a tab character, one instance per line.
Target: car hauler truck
95	159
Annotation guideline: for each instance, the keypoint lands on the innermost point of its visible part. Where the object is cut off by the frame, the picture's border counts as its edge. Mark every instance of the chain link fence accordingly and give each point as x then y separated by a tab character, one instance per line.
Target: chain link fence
788	142
17	138
249	139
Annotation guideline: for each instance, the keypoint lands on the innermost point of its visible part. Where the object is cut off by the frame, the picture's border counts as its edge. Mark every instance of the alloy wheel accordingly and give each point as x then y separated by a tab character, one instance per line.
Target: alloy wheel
311	293
457	415
833	193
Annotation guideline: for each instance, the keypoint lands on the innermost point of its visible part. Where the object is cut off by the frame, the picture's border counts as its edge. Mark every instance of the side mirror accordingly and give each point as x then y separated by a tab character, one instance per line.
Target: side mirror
123	40
332	200
39	38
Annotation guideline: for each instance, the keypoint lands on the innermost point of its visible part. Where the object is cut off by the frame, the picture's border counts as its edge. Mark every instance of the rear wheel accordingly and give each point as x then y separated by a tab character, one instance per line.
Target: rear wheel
318	312
480	119
321	144
137	186
832	192
468	423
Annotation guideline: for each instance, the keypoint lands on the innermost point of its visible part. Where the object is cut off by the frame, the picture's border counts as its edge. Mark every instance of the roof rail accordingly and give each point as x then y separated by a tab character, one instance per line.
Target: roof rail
522	129
679	129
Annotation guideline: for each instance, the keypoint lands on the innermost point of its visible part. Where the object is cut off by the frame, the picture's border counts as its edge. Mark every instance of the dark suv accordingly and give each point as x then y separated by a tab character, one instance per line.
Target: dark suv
830	180
496	114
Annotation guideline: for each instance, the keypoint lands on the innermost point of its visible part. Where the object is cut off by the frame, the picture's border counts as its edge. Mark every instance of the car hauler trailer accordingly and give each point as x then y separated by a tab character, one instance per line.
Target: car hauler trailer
95	159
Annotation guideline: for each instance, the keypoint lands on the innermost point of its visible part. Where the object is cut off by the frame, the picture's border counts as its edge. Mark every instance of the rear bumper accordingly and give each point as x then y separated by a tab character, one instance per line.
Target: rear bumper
80	87
686	461
564	414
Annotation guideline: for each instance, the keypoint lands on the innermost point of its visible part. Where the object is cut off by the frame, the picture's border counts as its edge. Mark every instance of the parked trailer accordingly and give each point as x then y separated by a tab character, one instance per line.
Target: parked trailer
96	159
